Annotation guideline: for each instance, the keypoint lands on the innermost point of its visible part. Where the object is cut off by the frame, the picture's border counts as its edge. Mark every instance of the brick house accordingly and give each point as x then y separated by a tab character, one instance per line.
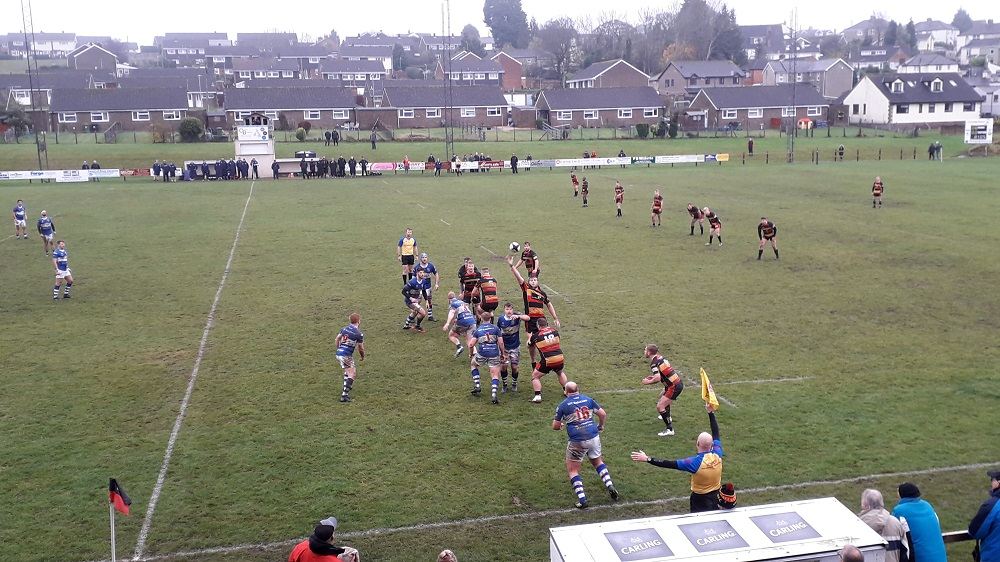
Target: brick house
878	58
380	53
352	72
188	49
912	98
200	86
219	59
599	107
307	57
267	41
830	77
513	71
92	57
134	109
265	67
473	71
403	107
684	78
752	108
608	74
324	107
753	72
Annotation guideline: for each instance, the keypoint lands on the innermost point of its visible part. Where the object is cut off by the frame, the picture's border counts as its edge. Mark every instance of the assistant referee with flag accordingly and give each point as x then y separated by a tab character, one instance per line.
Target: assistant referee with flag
705	466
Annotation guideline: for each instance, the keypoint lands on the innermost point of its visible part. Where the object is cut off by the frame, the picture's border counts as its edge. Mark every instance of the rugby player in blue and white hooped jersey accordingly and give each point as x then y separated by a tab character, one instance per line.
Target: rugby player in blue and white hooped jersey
64	277
349	339
510	328
20	220
489	351
461	315
429	270
413	290
46	228
577	413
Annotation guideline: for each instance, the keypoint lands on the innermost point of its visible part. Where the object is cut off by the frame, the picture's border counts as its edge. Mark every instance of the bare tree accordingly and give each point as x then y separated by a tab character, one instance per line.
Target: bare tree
558	36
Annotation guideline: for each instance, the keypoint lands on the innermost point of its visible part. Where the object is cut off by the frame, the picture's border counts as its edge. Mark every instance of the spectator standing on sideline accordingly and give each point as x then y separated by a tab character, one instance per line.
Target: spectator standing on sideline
985	526
925	529
319	547
577	413
374	139
204	170
750	146
931	151
156	170
705	467
254	164
874	514
326	138
364	166
513	163
341	165
437	167
621	154
274	169
86	166
336	138
303	167
353	165
406	164
95	166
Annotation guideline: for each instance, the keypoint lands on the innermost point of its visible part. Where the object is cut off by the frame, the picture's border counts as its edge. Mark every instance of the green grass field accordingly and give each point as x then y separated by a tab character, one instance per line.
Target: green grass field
883	324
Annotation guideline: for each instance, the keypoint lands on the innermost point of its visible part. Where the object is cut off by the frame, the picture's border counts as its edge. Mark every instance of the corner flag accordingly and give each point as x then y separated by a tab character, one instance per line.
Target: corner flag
707	392
118	498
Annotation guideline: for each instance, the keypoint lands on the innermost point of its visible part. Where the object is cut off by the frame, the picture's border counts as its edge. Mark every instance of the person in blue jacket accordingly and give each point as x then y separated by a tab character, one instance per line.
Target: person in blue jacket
924	527
985	526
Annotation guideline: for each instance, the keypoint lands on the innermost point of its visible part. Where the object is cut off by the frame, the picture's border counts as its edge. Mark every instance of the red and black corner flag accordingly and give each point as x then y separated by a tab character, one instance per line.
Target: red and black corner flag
118	497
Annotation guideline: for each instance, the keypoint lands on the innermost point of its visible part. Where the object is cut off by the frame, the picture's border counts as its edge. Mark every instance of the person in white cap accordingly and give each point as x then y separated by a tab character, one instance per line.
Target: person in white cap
320	547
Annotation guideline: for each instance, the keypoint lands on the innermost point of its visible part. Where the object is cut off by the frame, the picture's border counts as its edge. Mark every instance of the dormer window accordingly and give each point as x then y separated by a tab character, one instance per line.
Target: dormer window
897	87
937	85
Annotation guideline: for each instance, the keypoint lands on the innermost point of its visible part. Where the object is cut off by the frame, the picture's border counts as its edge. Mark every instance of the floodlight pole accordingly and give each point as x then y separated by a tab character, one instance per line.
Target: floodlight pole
795	111
449	94
26	24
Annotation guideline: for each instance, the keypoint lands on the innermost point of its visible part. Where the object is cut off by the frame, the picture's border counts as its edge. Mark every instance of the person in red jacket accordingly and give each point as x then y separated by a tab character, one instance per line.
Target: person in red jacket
319	547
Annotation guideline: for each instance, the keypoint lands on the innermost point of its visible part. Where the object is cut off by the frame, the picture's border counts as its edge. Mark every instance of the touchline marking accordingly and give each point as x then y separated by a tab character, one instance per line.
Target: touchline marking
695	384
556	293
550	512
488	250
7	238
758	381
140	544
421	206
444	221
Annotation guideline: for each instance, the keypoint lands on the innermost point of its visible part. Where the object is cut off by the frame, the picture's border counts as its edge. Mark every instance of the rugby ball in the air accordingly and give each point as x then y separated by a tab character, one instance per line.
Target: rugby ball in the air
515	247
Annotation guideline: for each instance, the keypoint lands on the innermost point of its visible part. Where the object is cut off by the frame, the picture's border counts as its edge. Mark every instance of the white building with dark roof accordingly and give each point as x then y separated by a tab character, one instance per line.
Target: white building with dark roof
928	98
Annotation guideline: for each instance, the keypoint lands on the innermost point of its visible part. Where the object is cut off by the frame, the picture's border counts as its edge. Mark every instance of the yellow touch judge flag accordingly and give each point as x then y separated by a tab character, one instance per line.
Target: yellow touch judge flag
707	392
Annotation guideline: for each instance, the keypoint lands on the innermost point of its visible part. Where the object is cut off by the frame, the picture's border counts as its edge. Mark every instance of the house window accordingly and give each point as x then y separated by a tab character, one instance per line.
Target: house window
468	112
931	107
340	114
22	96
67	117
903	108
359	76
624	113
968	107
692	81
590	114
244	74
736	80
99	117
492	111
948	107
314	60
271	114
218	59
273	74
729	113
755	112
897	87
140	116
242	115
708	81
171	115
650	112
405	114
937	86
854	109
780	77
480	76
433	113
814	111
258	73
311	114
788	112
494	76
564	115
466	76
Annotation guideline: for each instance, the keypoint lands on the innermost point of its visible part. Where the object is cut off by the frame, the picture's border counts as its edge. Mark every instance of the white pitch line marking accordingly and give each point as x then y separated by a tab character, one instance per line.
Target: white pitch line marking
550	512
488	250
421	206
444	221
7	238
140	545
557	293
721	398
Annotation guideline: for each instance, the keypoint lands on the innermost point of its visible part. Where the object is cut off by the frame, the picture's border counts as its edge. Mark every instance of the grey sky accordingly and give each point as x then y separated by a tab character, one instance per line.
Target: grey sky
140	21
